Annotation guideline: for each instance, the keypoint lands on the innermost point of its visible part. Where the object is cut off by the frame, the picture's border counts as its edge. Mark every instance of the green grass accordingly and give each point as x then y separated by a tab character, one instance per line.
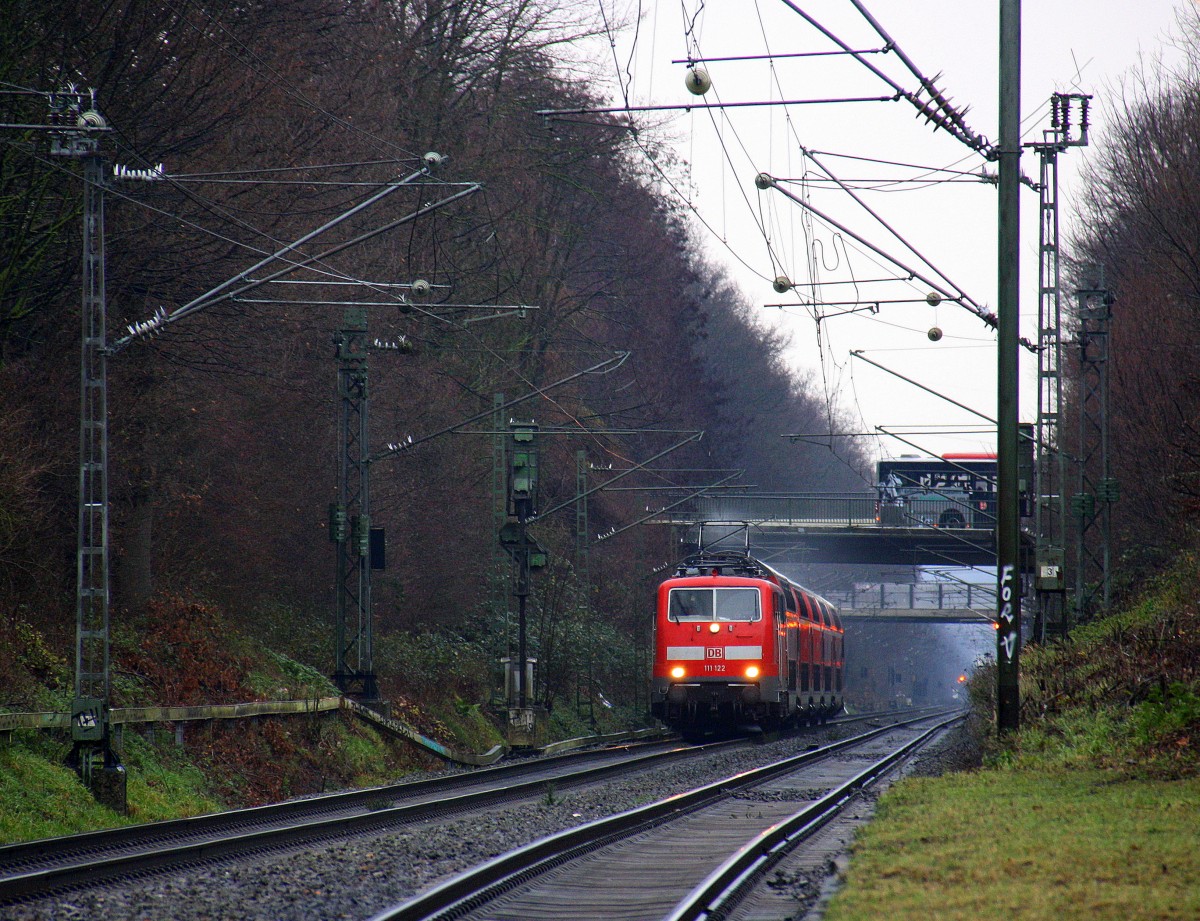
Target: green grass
1091	811
41	799
176	655
162	783
1025	844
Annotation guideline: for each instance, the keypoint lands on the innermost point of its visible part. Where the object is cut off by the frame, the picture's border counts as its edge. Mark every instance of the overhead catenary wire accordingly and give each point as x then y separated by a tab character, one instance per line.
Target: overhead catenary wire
944	116
957	118
225	291
845	186
776	56
311	264
981	312
696	54
307	262
888	227
115	192
760	220
221	211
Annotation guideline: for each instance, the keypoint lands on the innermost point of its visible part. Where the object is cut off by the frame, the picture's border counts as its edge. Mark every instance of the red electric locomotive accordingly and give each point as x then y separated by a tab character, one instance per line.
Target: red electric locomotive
736	643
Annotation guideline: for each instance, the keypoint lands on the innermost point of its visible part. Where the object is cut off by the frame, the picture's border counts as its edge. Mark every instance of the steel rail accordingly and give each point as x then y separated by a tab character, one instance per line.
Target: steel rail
716	895
28	855
475	887
219	835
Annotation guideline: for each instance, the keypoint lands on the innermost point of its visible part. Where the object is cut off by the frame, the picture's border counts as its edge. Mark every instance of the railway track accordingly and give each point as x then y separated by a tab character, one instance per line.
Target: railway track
690	856
40	871
39	867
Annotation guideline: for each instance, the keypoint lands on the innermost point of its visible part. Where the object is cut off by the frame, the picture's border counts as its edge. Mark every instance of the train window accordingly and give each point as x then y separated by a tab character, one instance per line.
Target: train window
714	604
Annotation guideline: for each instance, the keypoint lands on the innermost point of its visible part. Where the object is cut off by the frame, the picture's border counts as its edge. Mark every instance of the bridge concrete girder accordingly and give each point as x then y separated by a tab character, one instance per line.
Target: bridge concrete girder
917	616
873	544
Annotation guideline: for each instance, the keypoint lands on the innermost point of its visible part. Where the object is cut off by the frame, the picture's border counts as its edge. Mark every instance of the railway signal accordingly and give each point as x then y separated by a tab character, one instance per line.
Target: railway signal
528	555
523	471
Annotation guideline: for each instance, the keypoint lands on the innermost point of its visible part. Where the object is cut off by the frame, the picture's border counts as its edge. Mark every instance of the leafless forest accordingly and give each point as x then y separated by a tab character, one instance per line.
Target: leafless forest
269	120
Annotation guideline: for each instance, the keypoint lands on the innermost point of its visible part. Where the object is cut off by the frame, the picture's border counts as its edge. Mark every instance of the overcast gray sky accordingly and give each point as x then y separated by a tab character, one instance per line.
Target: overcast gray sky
1068	46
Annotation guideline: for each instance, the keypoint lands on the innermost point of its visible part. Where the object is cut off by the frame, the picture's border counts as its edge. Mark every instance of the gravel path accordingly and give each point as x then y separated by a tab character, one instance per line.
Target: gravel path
360	877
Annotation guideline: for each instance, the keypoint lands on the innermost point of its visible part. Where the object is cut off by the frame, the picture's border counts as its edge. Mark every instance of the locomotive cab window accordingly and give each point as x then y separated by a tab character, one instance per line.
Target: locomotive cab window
727	605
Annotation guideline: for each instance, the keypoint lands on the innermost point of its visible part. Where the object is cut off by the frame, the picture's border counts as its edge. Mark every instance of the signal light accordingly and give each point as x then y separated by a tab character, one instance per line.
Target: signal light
360	534
752	671
523	470
677	671
714	627
337	522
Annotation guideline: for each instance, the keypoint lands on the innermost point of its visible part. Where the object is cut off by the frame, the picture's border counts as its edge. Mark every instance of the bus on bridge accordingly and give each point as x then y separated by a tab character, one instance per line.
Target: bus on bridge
951	491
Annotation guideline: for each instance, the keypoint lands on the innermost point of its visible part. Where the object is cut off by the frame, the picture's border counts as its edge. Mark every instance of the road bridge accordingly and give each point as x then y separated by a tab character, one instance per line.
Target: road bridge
840	528
933	602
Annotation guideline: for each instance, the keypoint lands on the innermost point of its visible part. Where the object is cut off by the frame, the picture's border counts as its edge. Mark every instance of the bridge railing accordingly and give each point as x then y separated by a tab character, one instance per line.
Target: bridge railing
914	596
846	510
797	510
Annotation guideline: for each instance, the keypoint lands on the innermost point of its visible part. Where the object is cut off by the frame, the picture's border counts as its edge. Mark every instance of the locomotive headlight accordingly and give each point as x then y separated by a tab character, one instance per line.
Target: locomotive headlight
752	671
714	628
677	671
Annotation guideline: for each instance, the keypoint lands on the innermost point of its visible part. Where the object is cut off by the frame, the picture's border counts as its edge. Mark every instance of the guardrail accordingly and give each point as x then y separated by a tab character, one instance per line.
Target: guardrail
122	716
405	731
126	715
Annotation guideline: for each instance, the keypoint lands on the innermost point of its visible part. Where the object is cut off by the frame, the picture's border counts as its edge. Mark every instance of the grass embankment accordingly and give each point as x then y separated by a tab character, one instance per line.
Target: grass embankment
1090	811
183	653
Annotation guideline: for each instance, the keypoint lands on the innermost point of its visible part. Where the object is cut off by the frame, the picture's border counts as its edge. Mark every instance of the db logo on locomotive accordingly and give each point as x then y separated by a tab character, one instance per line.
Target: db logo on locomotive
714	652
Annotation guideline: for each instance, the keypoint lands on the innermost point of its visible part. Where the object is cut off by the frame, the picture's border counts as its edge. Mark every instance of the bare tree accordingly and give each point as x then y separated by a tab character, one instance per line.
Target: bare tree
1141	222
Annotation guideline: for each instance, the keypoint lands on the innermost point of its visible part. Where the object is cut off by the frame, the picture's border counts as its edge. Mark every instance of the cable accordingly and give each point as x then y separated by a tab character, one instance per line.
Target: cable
353	164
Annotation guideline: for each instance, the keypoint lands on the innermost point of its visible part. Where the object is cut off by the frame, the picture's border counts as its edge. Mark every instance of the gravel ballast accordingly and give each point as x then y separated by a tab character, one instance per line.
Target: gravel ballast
362	876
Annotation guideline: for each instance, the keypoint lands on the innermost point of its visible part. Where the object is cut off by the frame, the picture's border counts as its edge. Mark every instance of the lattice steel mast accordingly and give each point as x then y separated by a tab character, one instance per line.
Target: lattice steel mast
1097	489
1050	471
350	518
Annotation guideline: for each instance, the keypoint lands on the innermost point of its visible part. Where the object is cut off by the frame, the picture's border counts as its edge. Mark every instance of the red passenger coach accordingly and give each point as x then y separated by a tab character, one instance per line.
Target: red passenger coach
736	642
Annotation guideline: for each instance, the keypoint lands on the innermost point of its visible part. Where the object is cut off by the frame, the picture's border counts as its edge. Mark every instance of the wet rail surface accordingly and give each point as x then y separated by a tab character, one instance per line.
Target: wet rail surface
676	858
42	868
39	867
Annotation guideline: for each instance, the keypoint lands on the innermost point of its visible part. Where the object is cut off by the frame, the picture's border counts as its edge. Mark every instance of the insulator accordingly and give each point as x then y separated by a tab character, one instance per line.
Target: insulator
698	81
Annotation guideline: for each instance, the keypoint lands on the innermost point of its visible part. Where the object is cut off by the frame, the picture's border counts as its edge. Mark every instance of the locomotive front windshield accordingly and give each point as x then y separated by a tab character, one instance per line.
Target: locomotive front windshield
727	605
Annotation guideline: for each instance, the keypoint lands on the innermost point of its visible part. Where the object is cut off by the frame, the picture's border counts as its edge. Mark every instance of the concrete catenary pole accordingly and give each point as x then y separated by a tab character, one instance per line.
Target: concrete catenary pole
1008	569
